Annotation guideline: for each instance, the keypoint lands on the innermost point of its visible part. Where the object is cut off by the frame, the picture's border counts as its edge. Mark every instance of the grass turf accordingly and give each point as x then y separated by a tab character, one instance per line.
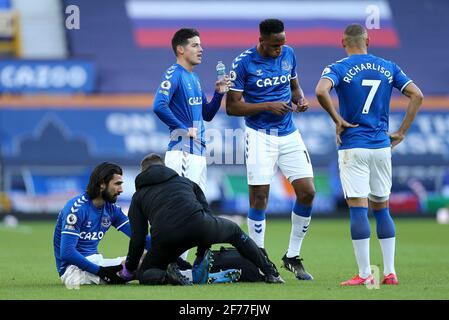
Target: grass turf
27	267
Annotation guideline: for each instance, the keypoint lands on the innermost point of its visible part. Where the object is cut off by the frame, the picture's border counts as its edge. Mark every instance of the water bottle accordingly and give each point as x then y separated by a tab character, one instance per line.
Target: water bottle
221	73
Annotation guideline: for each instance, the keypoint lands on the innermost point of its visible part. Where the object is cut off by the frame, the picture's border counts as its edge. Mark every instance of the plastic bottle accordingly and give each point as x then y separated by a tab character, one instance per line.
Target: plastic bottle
221	73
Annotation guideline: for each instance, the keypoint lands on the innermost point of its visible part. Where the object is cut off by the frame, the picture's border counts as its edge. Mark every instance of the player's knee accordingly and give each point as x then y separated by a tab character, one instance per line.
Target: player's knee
307	196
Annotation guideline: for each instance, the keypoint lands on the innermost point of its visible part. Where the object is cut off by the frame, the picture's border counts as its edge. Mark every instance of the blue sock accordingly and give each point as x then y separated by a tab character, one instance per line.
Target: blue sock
256	214
360	228
302	210
384	223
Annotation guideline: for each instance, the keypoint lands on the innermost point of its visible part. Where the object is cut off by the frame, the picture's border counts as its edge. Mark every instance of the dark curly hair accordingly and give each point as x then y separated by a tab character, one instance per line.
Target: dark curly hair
271	26
102	173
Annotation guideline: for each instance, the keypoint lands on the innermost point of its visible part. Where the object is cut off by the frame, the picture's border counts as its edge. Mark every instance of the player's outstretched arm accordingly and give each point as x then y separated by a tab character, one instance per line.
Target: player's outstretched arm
416	98
211	108
236	107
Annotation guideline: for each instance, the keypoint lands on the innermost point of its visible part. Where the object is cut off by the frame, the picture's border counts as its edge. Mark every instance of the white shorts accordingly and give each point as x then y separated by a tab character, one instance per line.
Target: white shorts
365	172
188	165
73	276
264	153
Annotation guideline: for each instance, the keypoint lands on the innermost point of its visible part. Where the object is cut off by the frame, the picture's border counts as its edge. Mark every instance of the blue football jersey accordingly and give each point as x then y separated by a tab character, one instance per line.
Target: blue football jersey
364	83
82	219
181	91
265	79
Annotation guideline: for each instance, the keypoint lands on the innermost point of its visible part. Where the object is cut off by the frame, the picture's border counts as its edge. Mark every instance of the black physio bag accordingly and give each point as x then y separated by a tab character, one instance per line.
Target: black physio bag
230	258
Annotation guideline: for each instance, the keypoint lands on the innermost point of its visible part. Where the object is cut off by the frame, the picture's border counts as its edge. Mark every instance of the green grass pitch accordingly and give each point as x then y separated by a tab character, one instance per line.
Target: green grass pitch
27	267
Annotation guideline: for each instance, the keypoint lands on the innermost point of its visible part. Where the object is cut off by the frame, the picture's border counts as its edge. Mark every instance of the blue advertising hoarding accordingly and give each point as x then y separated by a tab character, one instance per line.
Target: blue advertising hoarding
127	132
82	137
46	76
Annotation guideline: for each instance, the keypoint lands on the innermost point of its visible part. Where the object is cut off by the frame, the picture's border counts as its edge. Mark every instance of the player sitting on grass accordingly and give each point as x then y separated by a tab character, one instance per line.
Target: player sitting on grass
84	221
81	225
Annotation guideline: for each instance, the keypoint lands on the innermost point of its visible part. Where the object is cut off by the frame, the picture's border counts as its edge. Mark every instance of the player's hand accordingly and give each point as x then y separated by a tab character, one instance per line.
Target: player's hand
125	274
303	105
192	133
223	86
110	275
396	138
279	108
340	127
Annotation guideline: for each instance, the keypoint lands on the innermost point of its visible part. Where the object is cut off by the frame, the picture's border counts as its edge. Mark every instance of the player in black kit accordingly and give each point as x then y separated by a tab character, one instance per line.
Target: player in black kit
179	216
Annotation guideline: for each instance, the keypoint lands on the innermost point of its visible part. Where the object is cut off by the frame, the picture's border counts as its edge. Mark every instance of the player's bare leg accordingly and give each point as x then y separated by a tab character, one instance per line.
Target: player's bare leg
258	200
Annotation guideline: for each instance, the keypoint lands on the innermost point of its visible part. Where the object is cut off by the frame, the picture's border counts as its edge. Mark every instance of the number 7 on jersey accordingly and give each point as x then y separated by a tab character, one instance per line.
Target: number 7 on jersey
374	84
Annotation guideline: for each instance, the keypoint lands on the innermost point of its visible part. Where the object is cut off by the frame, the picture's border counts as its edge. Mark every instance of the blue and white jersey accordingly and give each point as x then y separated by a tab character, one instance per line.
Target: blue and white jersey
364	84
80	218
181	104
265	79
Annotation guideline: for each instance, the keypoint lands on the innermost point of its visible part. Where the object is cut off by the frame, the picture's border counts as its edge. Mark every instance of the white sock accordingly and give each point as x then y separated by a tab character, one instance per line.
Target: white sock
388	247
187	273
300	225
256	230
361	250
184	255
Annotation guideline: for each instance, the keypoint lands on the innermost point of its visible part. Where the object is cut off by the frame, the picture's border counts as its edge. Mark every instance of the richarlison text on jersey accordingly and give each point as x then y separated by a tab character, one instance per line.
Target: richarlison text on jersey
367	66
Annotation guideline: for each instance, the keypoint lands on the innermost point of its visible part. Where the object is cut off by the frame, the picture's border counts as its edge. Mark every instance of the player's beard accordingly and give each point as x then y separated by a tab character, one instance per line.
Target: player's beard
108	197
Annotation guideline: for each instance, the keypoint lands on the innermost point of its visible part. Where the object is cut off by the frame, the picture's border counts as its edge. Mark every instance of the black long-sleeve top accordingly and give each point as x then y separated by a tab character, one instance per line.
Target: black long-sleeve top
165	201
